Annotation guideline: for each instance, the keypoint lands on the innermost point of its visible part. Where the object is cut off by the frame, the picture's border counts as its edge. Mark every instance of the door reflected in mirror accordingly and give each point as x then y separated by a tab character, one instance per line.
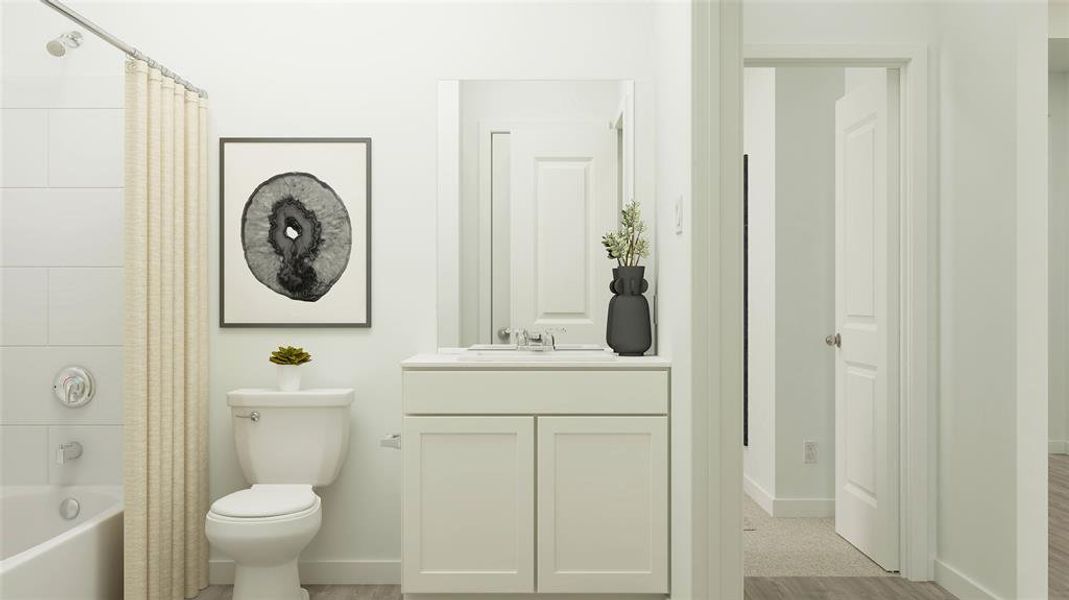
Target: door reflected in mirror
531	175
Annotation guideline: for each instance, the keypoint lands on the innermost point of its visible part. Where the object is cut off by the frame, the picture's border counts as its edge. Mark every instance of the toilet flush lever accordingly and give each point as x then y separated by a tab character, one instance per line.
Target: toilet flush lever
391	441
254	416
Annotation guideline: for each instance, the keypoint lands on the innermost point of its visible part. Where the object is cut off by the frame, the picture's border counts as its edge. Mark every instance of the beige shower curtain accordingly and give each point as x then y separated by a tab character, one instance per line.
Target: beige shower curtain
165	452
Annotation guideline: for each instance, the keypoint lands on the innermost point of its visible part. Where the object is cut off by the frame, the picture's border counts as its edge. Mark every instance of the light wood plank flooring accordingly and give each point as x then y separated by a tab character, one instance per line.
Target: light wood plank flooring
1058	529
757	588
842	588
806	588
321	592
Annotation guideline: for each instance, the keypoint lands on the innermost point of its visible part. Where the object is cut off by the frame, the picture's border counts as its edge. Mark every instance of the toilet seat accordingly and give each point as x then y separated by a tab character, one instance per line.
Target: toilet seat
266	501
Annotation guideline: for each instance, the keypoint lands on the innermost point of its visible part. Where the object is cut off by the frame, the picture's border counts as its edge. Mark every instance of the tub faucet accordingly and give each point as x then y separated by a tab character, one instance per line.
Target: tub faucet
68	451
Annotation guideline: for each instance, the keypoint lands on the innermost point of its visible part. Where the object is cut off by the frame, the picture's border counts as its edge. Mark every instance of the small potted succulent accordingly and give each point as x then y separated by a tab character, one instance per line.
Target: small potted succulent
289	359
628	330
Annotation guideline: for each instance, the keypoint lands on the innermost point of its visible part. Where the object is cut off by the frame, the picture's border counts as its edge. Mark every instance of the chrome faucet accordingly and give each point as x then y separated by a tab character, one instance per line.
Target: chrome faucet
68	451
536	341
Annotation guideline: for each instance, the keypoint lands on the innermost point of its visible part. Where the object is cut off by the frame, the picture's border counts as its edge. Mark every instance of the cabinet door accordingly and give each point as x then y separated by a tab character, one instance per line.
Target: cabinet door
603	504
469	504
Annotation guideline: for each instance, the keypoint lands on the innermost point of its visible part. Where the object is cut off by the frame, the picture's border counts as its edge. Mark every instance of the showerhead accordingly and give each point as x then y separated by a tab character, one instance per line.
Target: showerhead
59	46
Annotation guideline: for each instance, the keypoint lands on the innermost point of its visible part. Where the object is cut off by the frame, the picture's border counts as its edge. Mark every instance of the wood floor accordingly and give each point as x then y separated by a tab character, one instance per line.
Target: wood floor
842	588
322	592
757	588
807	588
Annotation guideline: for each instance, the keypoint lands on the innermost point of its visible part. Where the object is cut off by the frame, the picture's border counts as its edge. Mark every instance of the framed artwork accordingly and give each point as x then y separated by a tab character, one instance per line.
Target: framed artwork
294	232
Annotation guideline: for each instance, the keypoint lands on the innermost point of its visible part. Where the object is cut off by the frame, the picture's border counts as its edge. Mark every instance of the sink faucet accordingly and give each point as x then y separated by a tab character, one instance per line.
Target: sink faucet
536	341
68	451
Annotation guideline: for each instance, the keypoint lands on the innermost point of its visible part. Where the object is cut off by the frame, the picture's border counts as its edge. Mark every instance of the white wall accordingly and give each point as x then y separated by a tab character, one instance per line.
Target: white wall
1059	19
511	101
759	144
805	280
672	156
983	508
61	259
1058	181
792	215
371	69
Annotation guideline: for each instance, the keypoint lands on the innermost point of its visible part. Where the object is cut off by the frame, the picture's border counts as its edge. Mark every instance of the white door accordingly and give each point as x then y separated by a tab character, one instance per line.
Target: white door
603	505
469	504
866	315
562	203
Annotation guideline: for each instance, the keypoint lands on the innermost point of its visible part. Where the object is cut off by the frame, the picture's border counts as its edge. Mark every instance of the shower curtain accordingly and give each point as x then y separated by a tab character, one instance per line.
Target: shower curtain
165	455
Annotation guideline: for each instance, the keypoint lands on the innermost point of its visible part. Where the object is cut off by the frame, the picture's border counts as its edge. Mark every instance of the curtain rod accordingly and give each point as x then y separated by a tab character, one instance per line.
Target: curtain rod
129	50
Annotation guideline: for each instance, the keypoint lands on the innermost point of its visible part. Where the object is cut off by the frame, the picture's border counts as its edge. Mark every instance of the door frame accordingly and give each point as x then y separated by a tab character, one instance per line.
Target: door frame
917	283
719	59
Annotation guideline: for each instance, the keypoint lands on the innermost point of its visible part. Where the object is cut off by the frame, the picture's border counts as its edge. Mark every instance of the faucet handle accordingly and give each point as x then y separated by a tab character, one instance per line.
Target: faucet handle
520	337
551	334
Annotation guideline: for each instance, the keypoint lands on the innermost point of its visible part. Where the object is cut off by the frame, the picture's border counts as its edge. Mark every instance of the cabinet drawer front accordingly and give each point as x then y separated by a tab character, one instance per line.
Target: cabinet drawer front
468	504
603	504
560	392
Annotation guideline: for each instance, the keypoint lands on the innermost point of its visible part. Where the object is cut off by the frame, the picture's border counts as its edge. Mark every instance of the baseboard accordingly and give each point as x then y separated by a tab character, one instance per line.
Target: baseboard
757	494
958	584
803	507
326	572
1058	447
788	508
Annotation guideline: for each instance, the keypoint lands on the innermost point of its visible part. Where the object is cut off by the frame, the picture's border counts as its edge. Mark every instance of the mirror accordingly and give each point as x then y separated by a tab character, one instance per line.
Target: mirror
531	174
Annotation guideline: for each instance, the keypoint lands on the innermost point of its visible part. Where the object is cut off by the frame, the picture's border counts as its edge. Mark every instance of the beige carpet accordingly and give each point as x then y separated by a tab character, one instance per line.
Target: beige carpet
799	547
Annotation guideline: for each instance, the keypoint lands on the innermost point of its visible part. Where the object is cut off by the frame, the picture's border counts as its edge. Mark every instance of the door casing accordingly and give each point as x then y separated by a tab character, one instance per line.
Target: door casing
917	285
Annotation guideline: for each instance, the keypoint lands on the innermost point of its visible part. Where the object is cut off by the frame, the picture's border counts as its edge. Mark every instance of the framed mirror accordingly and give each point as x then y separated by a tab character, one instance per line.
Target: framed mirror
531	174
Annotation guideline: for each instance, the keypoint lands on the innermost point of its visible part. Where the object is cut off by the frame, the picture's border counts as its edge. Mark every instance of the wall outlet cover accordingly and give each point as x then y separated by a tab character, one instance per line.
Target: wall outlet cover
679	214
809	452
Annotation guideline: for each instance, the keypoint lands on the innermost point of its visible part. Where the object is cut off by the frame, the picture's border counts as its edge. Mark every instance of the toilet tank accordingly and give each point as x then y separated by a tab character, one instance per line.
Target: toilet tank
291	437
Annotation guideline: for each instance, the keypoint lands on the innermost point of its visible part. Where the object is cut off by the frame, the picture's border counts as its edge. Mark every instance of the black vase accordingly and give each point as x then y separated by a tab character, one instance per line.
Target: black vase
627	329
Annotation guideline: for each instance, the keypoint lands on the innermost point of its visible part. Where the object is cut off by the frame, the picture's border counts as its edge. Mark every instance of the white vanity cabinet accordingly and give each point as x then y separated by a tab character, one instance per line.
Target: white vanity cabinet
528	480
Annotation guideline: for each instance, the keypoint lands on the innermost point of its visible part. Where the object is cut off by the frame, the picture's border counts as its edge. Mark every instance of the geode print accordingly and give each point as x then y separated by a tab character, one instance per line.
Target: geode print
296	235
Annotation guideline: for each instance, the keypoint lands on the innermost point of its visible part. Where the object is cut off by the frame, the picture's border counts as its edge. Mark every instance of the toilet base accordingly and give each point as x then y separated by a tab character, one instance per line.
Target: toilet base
279	582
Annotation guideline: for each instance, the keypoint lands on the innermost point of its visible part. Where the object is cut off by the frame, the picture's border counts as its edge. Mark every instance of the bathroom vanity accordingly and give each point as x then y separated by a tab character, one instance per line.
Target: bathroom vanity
535	473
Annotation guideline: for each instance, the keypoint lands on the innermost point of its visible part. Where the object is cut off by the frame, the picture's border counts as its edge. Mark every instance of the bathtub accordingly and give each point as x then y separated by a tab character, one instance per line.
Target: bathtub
45	556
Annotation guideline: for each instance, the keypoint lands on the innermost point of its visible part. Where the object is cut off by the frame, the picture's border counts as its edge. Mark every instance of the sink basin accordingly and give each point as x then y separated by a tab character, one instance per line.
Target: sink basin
513	349
575	352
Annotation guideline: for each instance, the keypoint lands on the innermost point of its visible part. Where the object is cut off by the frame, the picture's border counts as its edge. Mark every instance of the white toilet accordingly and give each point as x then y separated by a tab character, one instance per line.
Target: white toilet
287	443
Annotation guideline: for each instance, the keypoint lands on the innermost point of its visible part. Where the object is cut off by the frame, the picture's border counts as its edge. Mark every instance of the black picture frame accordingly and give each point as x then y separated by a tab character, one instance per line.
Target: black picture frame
223	142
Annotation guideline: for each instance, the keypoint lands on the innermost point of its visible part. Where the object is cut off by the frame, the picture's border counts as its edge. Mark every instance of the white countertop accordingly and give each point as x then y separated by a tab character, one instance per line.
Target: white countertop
461	358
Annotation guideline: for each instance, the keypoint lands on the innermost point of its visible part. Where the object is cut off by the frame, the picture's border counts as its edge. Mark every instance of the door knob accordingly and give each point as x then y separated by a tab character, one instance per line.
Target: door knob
834	340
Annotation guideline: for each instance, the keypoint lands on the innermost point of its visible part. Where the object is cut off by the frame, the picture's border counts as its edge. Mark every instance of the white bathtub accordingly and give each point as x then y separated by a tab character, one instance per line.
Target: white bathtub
44	556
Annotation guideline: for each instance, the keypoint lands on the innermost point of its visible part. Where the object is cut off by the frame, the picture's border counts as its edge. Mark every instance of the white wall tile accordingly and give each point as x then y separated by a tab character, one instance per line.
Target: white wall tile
23	455
61	227
101	460
85	148
24	147
85	306
26	376
23	307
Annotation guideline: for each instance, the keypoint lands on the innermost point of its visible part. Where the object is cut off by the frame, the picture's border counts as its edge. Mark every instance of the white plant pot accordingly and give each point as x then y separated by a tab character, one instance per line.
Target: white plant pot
289	378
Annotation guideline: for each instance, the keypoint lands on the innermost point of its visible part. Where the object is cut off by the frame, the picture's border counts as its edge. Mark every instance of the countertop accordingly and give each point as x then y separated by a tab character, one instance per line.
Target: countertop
461	358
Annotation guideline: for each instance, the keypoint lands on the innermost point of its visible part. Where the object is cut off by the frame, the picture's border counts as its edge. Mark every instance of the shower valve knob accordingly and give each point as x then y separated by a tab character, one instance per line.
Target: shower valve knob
74	386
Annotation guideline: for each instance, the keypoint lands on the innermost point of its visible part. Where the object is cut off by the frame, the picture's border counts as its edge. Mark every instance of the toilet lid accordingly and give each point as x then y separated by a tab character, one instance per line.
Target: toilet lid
266	500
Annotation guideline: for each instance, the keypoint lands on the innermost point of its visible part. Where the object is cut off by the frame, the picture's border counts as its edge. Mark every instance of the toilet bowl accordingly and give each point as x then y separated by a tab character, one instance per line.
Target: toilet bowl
286	442
263	529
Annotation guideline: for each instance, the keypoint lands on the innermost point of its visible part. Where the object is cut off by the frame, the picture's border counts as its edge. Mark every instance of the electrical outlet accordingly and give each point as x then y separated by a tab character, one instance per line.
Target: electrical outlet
679	214
809	452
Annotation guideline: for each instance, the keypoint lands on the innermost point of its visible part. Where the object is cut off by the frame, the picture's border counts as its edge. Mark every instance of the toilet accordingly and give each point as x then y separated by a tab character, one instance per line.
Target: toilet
287	444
